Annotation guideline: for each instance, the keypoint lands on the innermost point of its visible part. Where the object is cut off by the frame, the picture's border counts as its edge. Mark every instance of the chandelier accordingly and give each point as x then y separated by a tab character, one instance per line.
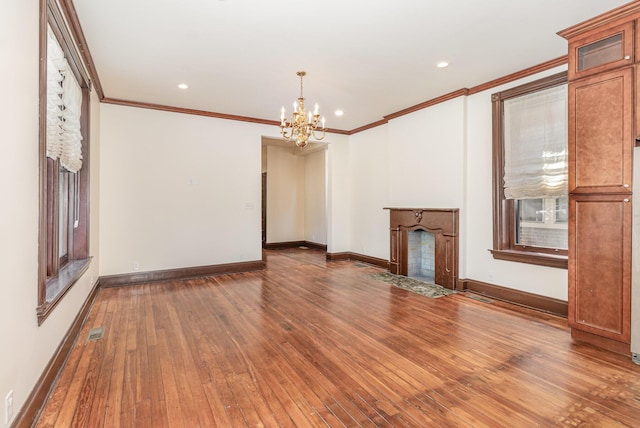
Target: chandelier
301	125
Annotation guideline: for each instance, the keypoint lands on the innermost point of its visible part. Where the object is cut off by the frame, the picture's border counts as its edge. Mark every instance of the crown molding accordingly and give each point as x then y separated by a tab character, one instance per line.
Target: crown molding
625	11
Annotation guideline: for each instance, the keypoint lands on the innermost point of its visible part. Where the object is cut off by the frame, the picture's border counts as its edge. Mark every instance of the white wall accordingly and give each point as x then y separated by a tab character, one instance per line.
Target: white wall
178	190
338	194
26	348
369	192
426	157
315	200
285	195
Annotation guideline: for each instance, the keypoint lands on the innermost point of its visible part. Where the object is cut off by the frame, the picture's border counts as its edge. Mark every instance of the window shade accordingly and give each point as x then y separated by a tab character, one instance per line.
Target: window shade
535	145
64	104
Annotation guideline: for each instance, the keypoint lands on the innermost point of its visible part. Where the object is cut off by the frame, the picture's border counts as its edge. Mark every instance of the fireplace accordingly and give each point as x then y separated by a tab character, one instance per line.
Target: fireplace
413	231
421	255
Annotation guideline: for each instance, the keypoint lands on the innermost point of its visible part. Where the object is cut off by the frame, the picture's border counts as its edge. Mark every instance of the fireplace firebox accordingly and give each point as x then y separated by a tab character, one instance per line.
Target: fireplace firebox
443	224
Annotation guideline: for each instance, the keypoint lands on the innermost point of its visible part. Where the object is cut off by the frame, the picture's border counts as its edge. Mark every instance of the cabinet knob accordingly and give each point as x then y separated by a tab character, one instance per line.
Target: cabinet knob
626	186
627	57
625	200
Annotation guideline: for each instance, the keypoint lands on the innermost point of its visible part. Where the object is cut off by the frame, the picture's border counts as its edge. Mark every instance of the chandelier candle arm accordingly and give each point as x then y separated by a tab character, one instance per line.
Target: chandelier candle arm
299	128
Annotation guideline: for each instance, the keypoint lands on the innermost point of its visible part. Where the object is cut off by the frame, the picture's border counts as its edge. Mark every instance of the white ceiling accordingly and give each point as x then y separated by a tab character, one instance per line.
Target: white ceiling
369	58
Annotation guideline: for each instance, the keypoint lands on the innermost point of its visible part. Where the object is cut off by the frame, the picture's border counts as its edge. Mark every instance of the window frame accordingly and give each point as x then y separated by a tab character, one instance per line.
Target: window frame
504	210
56	276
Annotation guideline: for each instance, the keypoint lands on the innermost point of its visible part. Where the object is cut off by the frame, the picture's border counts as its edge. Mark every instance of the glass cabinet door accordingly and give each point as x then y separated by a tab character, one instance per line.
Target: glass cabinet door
601	51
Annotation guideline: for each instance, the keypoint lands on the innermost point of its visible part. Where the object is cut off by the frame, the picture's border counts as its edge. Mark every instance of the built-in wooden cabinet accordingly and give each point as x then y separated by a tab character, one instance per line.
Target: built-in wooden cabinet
600	132
603	73
600	265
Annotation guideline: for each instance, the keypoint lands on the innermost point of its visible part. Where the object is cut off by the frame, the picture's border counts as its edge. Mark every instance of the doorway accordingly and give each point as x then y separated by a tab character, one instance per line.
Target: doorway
293	195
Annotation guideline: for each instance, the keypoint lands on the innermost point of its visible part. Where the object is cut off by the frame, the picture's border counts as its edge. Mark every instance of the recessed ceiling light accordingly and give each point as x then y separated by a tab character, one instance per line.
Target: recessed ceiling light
183	86
442	64
339	112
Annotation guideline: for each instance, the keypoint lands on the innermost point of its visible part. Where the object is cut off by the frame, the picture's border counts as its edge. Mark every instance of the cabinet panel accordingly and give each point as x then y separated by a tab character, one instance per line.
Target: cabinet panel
599	265
600	133
394	252
637	105
602	50
446	271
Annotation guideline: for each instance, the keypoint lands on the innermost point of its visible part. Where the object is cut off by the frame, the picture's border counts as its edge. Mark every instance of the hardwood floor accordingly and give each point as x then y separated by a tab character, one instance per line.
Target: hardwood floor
313	343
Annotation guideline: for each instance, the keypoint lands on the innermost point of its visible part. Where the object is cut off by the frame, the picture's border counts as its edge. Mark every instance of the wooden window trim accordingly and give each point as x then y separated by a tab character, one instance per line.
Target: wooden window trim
504	246
64	277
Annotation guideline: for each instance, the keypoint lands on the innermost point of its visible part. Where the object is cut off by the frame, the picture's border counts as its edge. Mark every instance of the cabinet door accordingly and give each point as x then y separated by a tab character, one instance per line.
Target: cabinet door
600	265
601	50
600	133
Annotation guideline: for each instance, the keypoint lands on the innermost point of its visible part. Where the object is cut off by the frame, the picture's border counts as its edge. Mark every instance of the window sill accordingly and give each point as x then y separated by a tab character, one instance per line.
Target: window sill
58	286
541	259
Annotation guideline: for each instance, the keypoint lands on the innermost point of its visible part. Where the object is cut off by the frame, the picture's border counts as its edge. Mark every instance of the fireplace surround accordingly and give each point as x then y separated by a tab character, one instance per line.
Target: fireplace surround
443	224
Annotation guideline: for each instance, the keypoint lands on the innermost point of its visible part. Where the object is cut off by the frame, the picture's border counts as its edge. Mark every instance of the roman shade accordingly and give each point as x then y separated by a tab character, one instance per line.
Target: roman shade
535	145
64	105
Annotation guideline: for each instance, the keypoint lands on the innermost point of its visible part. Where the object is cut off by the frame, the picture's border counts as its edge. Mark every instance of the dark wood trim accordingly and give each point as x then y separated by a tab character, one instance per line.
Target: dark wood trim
368	126
337	257
601	341
69	11
429	103
42	159
517	297
347	255
36	399
140	104
368	259
161	107
537	85
294	244
315	246
603	19
540	259
180	273
283	245
520	74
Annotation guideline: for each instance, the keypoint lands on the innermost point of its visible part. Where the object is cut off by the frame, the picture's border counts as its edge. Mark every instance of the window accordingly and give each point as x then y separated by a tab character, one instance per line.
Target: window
64	177
530	172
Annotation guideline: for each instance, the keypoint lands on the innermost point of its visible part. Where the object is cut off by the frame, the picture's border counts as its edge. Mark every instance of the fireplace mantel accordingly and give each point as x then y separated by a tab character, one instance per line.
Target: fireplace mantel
443	223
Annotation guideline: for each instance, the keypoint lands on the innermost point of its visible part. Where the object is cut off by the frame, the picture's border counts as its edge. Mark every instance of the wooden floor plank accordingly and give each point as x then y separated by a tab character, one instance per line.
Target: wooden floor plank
312	343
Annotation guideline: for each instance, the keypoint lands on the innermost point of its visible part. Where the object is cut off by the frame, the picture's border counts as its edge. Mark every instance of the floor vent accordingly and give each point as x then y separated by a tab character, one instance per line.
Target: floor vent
478	298
95	334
